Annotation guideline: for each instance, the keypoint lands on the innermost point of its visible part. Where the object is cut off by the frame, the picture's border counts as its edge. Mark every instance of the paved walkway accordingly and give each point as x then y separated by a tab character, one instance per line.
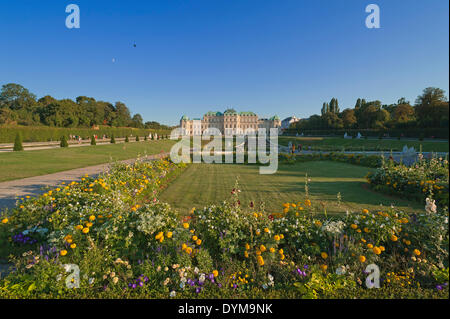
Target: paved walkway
32	186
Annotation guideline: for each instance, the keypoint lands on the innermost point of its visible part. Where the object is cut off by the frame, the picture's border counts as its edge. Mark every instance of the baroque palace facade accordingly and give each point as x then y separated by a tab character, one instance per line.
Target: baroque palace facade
228	122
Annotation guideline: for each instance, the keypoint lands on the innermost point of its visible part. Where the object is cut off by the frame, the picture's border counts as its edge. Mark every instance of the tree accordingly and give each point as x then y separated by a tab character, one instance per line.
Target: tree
348	118
432	108
403	113
63	142
137	138
93	142
126	139
137	121
16	97
18	143
113	140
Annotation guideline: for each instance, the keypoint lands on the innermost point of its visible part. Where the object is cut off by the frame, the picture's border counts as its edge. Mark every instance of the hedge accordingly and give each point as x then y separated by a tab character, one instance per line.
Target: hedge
47	133
440	132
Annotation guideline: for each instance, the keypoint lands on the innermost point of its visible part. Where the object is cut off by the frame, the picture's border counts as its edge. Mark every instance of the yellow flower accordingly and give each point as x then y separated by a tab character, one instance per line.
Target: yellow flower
354	226
257	233
281	236
282	257
185	225
281	251
247	246
416	252
5	220
276	237
362	259
63	252
89	224
159	235
198	242
382	248
324	267
272	250
266	230
370	246
183	247
161	239
394	238
260	261
324	255
376	250
262	248
86	230
169	234
73	246
215	273
79	227
92	218
246	254
365	211
194	238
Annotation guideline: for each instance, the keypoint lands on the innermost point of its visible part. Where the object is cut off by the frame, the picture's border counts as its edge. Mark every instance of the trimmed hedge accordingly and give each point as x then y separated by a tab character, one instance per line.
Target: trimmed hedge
441	132
47	133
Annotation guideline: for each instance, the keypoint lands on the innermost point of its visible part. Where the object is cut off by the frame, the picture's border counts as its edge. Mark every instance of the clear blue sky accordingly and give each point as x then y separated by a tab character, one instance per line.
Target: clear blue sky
268	56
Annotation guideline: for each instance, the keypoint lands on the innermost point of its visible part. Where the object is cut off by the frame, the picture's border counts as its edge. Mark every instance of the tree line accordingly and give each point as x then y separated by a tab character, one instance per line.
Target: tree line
19	106
430	110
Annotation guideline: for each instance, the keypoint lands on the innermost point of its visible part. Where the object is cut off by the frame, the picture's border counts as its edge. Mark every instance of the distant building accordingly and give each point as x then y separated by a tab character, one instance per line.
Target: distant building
286	123
229	122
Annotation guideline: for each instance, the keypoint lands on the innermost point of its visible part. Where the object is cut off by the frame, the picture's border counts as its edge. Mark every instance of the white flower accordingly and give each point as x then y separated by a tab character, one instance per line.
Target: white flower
173	293
430	206
341	270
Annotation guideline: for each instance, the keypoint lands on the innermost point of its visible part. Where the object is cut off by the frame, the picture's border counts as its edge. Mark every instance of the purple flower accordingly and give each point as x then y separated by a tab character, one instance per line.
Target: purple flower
439	287
197	290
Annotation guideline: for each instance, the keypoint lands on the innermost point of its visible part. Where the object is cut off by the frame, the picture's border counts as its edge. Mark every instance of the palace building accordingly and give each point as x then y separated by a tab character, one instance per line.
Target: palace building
228	122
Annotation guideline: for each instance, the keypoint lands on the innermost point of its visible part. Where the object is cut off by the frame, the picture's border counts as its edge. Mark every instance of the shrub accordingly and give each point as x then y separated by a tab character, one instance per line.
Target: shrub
64	142
93	141
18	143
113	140
137	138
126	139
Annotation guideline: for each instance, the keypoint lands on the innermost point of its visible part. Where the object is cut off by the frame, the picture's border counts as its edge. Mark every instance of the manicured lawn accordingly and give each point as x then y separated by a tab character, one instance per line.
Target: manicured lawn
203	184
16	165
339	143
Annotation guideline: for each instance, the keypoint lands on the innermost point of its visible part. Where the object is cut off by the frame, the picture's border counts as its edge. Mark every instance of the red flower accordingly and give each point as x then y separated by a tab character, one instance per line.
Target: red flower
270	217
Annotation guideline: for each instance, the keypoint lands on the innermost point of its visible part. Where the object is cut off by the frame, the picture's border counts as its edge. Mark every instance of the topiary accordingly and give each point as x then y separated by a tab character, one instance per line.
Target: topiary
113	140
93	142
126	139
18	143
63	142
137	138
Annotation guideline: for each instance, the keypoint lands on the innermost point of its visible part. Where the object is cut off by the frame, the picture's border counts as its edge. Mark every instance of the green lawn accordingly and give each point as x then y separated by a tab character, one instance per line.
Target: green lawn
15	165
203	184
337	143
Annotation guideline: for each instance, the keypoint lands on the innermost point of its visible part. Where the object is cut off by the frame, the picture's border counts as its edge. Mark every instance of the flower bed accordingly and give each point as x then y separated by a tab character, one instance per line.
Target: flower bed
426	178
126	243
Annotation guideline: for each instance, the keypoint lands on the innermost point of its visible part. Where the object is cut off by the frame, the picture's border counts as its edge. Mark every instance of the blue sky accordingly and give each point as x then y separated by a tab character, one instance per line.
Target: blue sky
268	56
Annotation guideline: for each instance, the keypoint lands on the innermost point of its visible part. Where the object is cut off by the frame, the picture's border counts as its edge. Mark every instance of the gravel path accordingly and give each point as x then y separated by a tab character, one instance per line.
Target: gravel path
32	186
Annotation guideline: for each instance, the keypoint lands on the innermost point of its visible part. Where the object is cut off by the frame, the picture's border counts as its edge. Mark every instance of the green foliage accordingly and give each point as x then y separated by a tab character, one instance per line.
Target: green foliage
18	143
113	140
425	178
19	106
137	138
63	141
126	139
46	133
93	142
